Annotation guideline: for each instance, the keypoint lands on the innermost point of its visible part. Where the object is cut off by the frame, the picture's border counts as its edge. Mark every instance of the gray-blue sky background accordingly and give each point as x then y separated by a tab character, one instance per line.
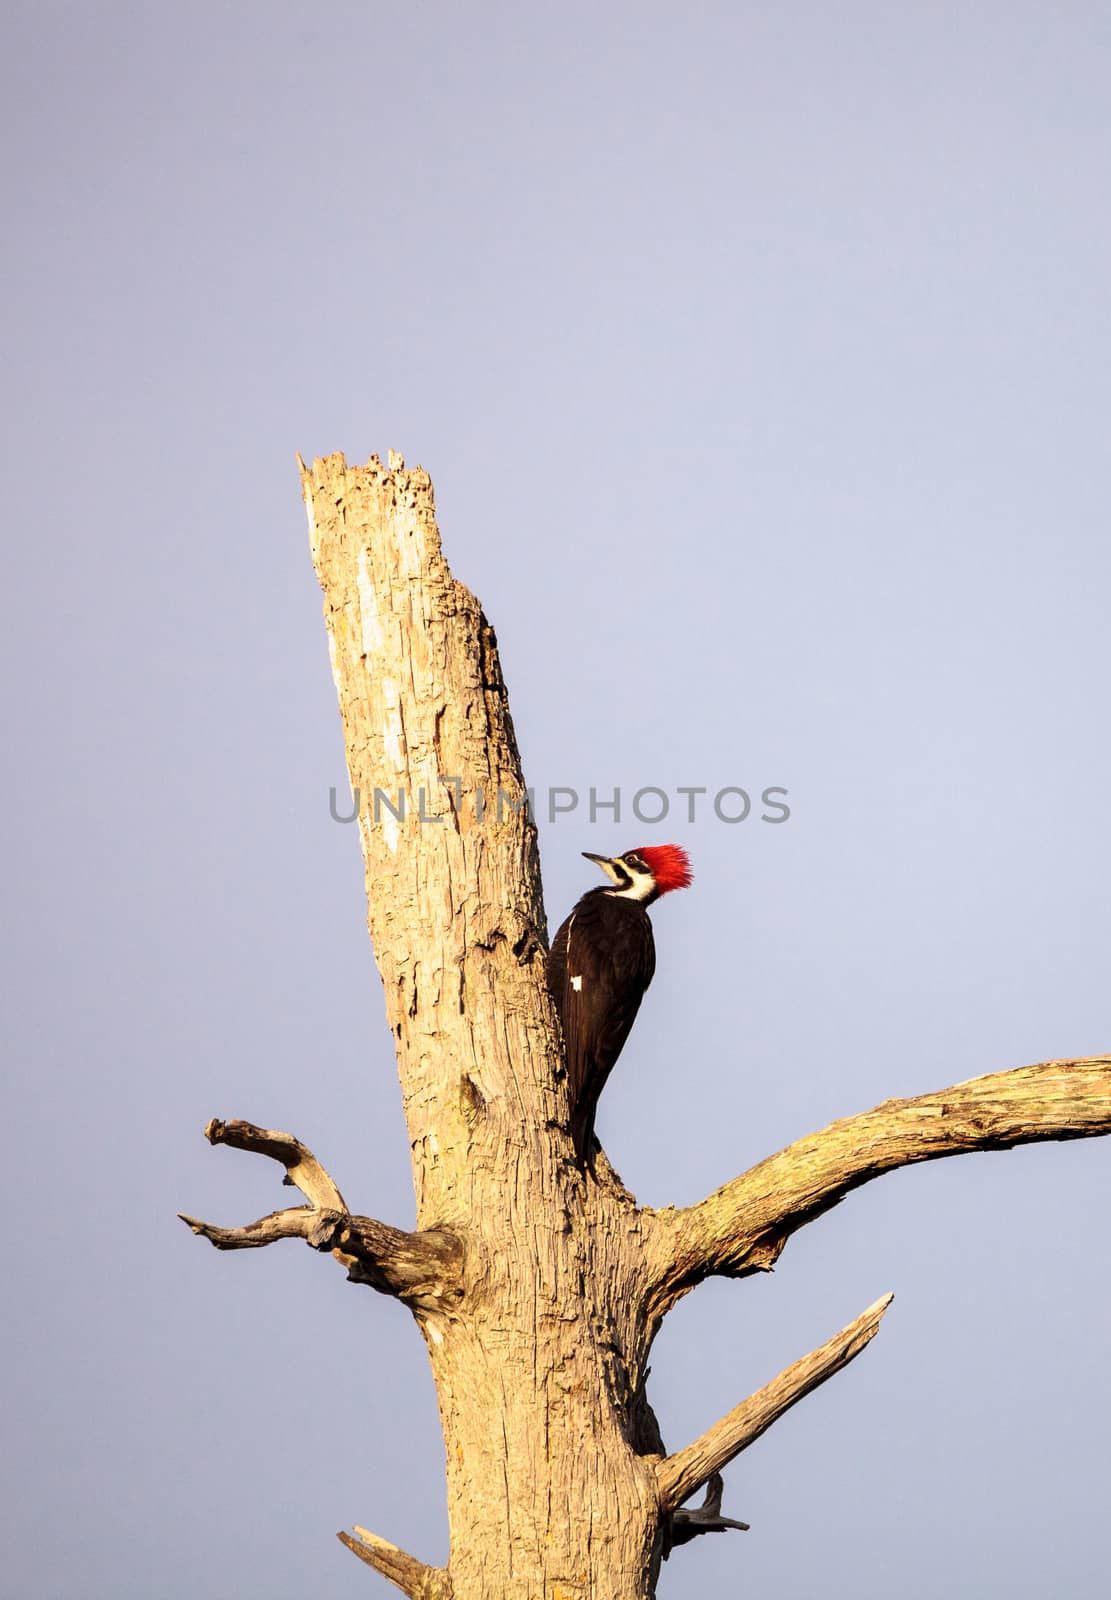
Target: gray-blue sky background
761	358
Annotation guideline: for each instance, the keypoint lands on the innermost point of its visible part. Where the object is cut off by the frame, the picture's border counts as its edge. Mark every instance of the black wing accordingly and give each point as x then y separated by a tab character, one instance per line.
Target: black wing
601	962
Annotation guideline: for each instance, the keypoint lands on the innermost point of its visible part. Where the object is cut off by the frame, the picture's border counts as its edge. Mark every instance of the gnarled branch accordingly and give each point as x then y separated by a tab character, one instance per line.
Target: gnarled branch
743	1227
681	1474
423	1269
411	1576
302	1170
299	1222
689	1521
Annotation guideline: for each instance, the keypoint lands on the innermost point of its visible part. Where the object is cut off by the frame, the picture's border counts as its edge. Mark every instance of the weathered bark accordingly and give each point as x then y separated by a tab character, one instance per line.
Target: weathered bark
538	1287
411	1576
420	1268
743	1227
690	1521
540	1369
681	1474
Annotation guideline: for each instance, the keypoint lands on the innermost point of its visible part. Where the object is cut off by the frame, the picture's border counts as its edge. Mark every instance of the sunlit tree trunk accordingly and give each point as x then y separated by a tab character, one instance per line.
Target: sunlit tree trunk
537	1286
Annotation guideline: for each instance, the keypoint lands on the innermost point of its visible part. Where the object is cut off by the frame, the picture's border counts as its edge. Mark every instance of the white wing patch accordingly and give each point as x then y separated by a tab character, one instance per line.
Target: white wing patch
576	982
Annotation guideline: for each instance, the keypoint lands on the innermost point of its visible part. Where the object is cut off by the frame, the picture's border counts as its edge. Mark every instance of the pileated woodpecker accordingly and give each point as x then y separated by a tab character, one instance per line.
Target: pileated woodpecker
602	961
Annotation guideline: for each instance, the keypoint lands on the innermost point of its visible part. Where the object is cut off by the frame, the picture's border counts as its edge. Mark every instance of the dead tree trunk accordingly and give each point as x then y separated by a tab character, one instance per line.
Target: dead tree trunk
539	1287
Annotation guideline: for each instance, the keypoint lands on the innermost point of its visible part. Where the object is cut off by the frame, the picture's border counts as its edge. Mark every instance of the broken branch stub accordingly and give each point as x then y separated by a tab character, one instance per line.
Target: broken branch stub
422	1269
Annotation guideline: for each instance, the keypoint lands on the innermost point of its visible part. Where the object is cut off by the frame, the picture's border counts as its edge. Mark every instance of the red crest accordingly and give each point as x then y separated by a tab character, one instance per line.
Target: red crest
669	864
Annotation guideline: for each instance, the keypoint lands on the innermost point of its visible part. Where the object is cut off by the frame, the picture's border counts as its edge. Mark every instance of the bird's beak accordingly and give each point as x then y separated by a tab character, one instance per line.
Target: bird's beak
607	865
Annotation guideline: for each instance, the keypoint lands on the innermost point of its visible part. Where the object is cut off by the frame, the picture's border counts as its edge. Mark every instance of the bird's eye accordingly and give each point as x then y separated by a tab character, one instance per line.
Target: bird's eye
633	860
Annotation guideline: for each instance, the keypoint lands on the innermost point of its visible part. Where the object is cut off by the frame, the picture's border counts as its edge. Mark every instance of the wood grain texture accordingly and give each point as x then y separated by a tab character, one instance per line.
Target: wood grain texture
423	1269
744	1226
681	1474
540	1366
408	1574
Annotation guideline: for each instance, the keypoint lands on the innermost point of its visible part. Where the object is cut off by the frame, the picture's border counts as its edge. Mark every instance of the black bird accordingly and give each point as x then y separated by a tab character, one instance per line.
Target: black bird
602	960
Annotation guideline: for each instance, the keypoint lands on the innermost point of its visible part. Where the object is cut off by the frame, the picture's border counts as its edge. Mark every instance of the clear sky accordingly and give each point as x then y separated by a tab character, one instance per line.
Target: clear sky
761	357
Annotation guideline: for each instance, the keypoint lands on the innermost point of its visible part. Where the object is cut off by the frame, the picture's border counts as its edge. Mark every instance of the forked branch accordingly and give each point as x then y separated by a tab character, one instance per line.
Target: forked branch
423	1269
411	1576
681	1474
744	1226
690	1521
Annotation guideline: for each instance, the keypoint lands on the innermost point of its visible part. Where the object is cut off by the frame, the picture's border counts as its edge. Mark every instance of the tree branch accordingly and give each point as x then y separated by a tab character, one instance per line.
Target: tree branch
296	1223
689	1521
302	1170
423	1269
681	1474
411	1576
743	1227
